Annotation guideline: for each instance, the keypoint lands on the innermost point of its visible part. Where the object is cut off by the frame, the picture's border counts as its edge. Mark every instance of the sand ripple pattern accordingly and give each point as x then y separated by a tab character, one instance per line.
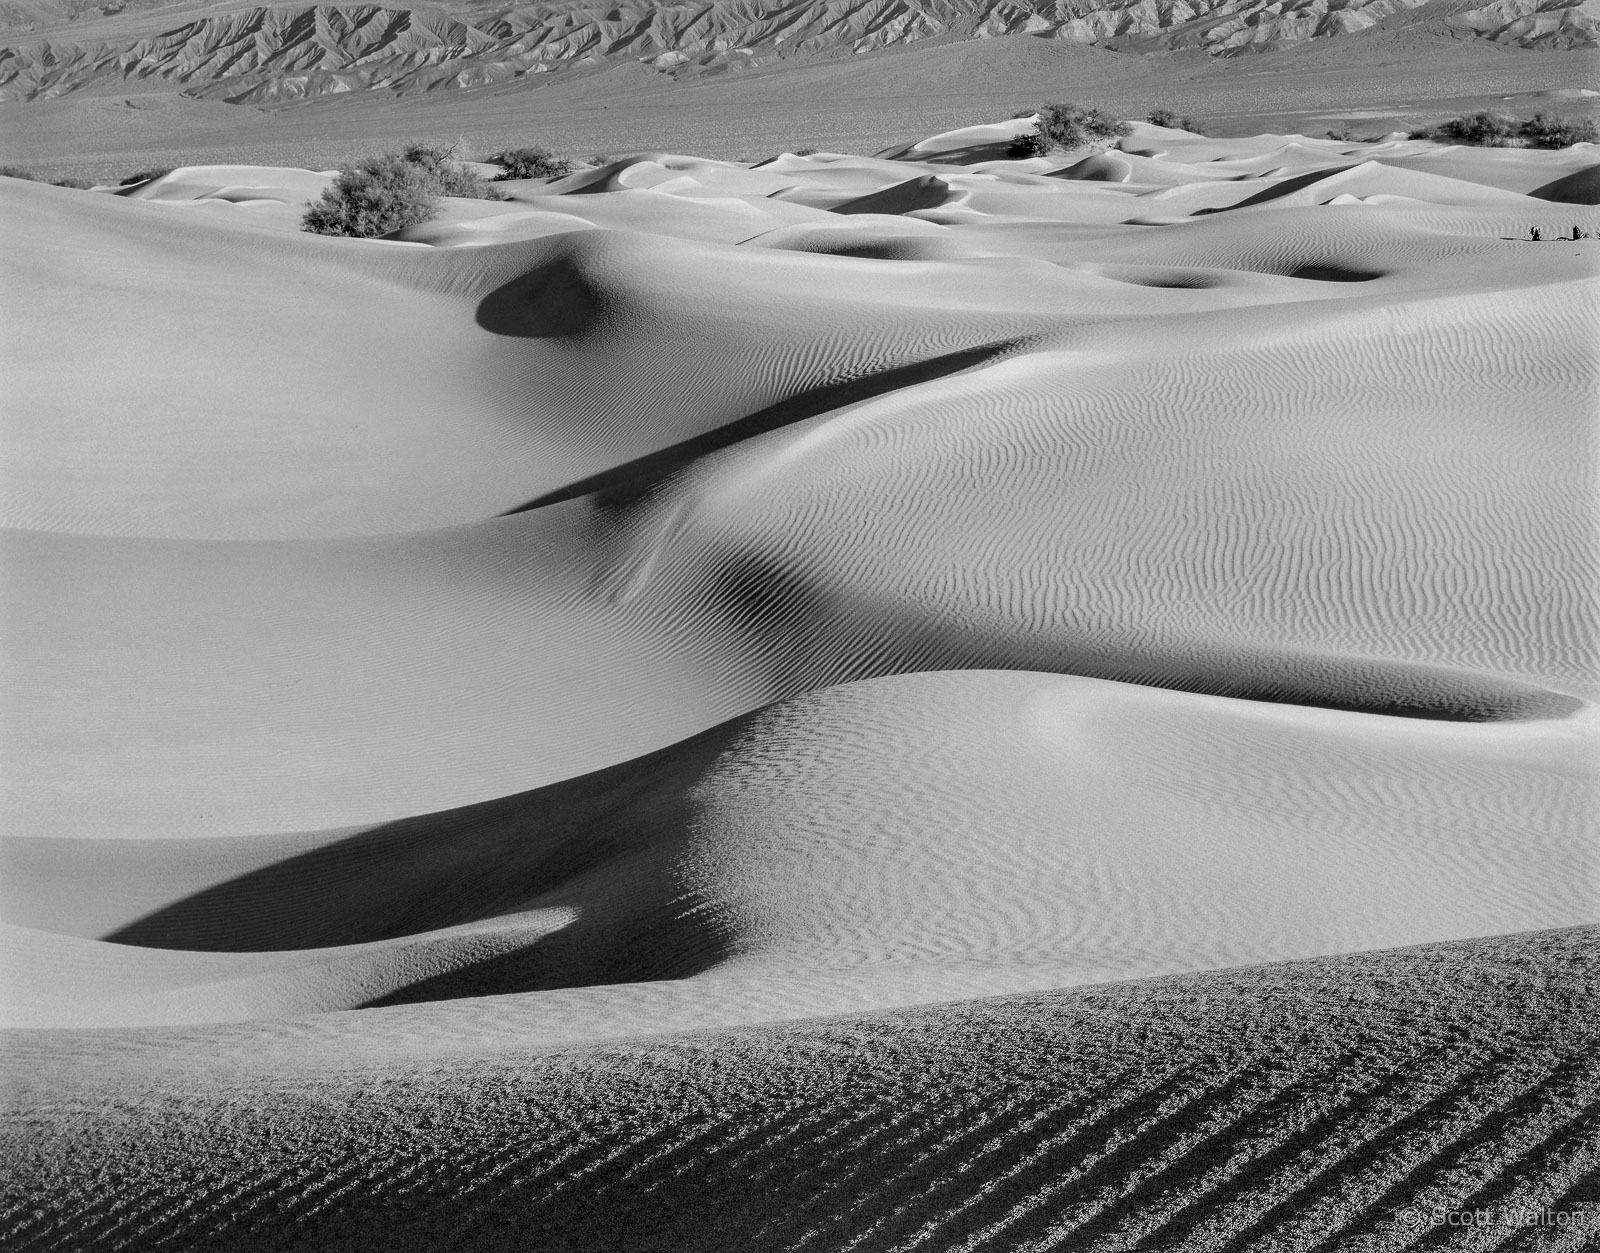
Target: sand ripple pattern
1362	1096
880	703
681	439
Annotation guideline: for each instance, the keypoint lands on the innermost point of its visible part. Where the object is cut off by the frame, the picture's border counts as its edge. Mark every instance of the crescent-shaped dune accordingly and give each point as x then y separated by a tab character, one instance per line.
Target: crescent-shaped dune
904	702
1033	830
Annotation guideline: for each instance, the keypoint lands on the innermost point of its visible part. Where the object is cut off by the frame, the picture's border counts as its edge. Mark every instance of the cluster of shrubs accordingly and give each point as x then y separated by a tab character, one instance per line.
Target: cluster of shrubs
17	171
1496	130
1173	120
531	163
387	193
79	184
1068	126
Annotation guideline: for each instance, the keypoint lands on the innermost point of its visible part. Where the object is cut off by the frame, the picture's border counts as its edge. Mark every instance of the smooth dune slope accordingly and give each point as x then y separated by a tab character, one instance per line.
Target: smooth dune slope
239	380
913	701
910	834
1337	453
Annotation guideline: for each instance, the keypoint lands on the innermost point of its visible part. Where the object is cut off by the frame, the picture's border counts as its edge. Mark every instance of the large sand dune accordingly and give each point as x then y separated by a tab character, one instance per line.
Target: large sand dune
472	699
924	830
1338	1103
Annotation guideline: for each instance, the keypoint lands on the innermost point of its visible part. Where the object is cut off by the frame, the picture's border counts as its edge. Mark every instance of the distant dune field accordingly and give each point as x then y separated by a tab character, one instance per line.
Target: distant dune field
103	111
926	701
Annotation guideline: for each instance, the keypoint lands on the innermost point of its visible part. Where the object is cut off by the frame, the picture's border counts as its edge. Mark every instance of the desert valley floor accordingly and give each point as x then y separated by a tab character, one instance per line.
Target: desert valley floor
925	701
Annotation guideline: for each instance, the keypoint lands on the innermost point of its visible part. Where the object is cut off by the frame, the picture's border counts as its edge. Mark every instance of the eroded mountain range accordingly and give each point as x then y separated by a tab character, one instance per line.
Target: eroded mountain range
269	54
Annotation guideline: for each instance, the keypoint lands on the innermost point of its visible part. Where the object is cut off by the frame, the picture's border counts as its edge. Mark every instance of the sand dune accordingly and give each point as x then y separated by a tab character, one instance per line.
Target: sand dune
583	706
1354	1098
1038	826
1162	453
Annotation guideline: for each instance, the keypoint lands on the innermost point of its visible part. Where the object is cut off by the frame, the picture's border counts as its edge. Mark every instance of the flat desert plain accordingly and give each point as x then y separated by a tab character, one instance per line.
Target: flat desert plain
925	701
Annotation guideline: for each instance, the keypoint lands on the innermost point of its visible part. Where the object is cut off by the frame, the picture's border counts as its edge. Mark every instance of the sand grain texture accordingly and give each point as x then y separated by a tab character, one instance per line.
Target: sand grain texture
1359	1093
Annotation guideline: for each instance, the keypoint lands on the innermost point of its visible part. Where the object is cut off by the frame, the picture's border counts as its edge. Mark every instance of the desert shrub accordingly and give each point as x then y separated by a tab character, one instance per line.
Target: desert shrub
805	152
379	196
17	171
1483	129
450	177
1070	126
1556	132
144	176
531	163
1067	126
1173	120
384	194
1027	144
1344	135
1496	130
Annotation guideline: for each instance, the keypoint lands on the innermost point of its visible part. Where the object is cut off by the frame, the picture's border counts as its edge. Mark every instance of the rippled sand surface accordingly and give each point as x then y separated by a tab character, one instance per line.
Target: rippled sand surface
919	701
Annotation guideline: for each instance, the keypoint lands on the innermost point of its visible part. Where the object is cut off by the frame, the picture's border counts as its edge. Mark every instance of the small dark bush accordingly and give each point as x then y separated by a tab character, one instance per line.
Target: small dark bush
76	184
17	171
1344	135
144	176
806	152
1067	126
1027	144
531	163
1482	129
1556	132
379	196
1173	120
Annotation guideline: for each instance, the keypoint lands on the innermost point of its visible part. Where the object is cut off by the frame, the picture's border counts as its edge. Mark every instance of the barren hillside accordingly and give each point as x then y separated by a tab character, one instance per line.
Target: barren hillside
270	54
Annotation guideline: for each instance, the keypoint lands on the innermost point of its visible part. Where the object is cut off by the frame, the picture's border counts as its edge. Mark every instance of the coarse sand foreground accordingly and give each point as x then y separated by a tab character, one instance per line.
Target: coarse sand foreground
917	701
1367	1101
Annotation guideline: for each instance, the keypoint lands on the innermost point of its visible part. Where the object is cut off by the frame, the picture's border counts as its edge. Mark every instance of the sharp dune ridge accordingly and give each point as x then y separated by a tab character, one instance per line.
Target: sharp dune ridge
914	701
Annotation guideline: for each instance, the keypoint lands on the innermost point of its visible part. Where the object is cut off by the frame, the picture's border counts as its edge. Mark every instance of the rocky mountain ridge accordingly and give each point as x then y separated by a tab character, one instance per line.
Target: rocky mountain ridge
274	54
